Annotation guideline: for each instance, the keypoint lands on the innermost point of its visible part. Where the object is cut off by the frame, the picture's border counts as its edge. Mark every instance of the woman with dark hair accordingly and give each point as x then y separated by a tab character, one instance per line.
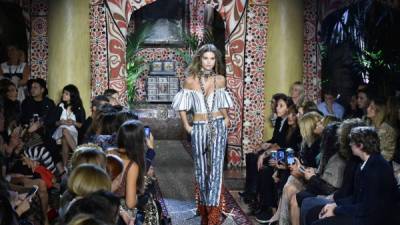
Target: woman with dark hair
286	135
204	94
131	145
69	117
12	107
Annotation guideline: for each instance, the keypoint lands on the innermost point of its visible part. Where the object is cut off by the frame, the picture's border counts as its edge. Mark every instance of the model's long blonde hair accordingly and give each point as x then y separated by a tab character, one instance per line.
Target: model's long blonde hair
195	66
307	126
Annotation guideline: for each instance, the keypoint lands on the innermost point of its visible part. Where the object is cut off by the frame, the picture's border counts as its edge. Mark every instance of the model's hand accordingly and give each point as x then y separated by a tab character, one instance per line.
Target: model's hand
189	129
227	122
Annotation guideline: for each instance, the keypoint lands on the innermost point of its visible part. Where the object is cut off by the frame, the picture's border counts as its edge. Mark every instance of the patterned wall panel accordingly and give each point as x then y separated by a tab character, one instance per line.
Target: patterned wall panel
98	47
39	41
196	10
312	61
118	16
253	113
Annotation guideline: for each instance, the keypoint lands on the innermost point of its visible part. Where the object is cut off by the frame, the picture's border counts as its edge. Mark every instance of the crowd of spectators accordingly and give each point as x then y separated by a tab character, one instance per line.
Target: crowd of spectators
327	163
57	166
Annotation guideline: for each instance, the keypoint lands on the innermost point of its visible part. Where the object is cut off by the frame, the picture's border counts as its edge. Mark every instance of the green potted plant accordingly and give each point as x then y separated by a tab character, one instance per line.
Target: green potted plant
136	64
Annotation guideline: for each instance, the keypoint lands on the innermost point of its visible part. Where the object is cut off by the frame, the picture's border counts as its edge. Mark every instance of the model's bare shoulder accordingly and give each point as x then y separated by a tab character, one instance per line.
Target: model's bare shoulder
190	82
221	81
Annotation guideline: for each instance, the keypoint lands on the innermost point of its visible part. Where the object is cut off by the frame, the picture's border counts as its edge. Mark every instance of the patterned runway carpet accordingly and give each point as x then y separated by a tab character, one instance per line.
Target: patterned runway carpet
174	170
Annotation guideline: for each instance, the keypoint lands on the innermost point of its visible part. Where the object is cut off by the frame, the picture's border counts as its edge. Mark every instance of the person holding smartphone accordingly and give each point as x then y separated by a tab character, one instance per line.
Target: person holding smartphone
150	153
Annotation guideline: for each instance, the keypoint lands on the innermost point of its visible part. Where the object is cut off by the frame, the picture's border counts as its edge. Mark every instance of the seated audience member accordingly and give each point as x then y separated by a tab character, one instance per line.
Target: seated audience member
102	205
329	106
310	148
327	178
309	204
12	107
112	96
285	135
306	107
363	99
96	103
125	115
273	102
370	204
376	113
352	111
88	154
15	70
296	92
107	130
12	208
95	127
25	171
37	104
131	150
69	117
84	180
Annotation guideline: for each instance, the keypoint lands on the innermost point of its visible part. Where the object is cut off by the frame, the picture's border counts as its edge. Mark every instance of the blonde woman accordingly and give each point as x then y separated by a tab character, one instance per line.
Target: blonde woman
84	179
376	113
310	148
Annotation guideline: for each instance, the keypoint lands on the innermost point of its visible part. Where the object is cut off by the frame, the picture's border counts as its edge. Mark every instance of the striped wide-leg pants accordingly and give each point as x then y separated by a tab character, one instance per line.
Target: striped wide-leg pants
209	165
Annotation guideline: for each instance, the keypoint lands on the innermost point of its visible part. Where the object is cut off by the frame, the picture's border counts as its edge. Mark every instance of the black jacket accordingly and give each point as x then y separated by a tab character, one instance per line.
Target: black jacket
374	194
279	134
30	107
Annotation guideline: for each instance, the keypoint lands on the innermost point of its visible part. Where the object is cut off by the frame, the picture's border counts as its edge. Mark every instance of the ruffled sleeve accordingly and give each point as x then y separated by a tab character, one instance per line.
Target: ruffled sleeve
182	100
223	99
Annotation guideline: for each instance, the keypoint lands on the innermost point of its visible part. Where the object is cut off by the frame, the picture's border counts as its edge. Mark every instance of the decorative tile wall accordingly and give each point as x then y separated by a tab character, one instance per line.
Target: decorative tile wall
39	41
255	55
98	47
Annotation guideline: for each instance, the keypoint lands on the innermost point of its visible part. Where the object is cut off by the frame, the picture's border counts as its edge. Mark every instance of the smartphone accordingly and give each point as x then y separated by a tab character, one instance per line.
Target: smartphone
290	156
147	131
274	155
32	192
281	155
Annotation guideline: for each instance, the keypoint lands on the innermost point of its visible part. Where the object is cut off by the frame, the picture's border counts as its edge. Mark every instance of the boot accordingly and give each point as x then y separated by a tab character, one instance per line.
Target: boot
214	215
203	214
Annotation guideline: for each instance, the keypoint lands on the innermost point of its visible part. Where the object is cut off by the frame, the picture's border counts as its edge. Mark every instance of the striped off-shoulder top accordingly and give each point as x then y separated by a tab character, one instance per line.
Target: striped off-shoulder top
187	99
